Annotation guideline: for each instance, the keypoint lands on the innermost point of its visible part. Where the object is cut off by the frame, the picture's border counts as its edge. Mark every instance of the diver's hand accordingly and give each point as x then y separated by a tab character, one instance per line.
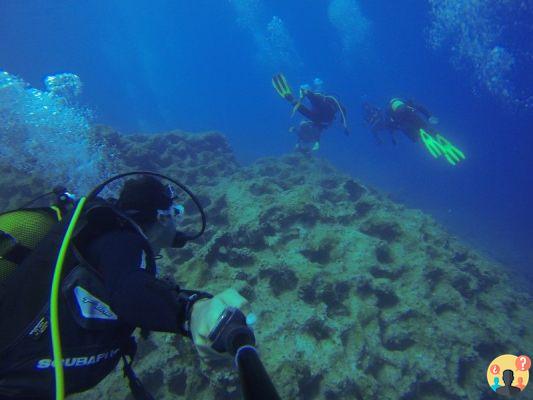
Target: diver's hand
433	120
205	316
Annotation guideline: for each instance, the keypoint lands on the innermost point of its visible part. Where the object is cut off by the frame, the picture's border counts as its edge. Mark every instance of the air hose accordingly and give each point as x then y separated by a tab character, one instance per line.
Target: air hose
54	303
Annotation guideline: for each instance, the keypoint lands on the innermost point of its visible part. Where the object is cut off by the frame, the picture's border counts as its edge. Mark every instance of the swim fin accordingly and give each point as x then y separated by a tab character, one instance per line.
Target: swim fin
452	153
439	146
431	144
282	87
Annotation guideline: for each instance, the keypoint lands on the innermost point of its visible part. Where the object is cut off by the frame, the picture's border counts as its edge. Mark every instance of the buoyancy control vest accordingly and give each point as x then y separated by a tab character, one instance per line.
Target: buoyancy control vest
93	339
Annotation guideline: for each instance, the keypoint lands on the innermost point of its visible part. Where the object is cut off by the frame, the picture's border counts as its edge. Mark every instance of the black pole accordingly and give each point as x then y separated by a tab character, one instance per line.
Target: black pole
255	382
233	335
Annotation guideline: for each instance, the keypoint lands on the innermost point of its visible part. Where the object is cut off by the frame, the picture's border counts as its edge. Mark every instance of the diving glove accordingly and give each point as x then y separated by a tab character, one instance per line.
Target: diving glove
205	317
282	87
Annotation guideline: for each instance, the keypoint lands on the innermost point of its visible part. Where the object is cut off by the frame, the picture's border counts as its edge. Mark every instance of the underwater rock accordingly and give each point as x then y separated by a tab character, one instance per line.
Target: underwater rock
145	347
385	295
384	254
460	256
248	292
177	384
433	275
309	384
183	256
329	183
394	302
364	286
318	328
234	256
389	231
281	279
153	380
354	190
348	389
363	208
449	300
397	338
308	293
320	255
391	272
333	295
239	257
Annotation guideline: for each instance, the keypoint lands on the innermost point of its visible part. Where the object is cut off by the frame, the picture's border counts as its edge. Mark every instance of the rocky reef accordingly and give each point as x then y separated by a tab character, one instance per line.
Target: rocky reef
357	297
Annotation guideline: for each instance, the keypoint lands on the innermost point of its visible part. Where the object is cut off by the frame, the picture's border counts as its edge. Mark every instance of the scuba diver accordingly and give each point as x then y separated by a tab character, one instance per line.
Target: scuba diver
103	285
416	122
320	111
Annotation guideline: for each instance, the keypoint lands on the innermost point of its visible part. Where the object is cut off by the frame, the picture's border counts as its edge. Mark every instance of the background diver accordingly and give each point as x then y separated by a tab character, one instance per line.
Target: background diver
416	122
109	288
318	108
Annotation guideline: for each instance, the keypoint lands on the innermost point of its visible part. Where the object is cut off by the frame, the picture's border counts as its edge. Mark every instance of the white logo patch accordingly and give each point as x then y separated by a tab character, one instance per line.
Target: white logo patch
92	307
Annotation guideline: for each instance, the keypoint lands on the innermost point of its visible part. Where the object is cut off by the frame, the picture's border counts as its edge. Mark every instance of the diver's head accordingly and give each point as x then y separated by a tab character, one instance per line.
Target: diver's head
304	88
396	103
149	203
318	84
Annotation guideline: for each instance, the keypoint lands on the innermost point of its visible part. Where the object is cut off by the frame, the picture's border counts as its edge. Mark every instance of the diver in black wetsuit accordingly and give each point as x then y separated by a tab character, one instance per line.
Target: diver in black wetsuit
404	116
415	122
110	288
319	109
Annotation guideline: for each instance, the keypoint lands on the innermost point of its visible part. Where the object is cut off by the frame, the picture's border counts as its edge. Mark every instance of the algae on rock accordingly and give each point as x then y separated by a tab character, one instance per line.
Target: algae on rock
356	296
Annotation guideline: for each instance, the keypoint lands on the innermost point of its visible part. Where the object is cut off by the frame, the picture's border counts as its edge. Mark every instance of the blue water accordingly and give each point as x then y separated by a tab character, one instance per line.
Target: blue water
206	65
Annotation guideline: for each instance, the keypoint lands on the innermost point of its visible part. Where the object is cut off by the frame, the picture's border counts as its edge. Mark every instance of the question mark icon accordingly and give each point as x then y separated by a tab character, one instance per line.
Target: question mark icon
495	369
523	363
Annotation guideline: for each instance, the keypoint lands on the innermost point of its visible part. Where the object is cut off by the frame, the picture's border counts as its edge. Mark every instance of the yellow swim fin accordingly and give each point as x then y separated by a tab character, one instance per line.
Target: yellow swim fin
282	87
431	144
452	153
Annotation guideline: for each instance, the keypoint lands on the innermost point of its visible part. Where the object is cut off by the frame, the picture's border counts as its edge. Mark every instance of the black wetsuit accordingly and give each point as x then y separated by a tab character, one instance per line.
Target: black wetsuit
136	296
103	301
320	116
322	111
408	118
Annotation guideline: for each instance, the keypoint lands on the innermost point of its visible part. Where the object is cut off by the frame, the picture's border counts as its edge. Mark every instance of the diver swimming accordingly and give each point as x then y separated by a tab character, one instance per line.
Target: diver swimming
88	300
415	122
319	109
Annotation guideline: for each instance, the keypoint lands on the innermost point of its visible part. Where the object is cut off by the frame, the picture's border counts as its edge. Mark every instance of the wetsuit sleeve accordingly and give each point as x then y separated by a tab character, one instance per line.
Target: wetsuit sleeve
307	113
136	296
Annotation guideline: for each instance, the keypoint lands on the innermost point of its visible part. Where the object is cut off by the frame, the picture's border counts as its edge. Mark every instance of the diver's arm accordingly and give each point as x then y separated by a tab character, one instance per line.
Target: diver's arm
306	112
136	296
420	108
